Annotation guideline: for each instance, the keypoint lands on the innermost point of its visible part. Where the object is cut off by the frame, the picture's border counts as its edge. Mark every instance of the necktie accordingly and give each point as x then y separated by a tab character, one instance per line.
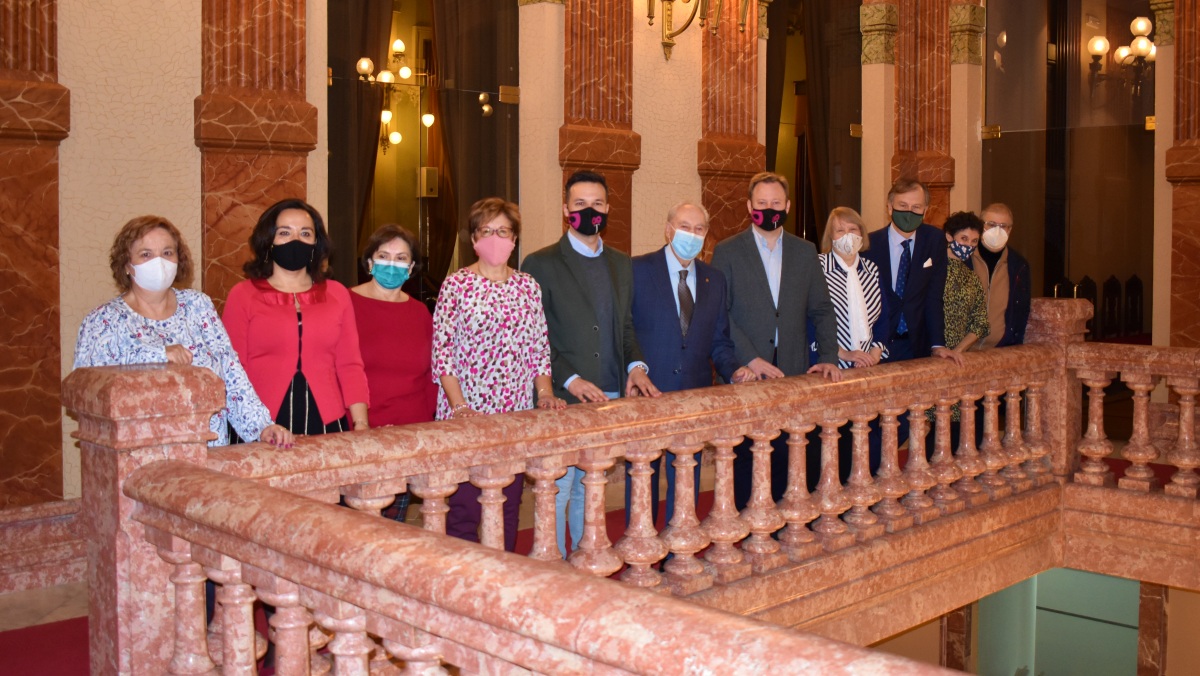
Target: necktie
686	304
902	280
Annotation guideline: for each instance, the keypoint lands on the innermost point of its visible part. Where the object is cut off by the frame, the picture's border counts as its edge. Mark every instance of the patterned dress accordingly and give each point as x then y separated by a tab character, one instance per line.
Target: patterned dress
114	334
493	338
966	304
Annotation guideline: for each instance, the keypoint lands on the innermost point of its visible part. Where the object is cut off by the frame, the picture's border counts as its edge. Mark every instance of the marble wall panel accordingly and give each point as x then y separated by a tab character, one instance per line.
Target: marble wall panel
726	166
1183	171
237	187
1152	630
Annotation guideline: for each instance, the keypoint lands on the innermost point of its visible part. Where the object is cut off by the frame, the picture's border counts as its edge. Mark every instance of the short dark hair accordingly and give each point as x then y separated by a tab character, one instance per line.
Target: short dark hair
262	238
766	177
131	232
487	209
383	235
962	220
903	185
584	177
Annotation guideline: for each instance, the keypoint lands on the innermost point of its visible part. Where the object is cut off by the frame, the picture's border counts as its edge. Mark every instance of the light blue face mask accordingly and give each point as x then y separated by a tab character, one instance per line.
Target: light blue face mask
686	245
390	274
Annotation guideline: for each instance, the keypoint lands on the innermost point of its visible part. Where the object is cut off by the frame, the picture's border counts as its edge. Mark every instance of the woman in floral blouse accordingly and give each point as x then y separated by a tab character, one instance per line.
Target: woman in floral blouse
491	352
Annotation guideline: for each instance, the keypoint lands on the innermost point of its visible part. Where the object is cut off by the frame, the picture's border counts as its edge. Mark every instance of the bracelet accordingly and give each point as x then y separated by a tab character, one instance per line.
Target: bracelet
645	369
360	422
460	407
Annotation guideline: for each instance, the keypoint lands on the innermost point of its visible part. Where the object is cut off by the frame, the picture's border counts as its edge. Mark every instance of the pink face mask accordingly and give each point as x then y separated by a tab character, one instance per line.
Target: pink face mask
494	250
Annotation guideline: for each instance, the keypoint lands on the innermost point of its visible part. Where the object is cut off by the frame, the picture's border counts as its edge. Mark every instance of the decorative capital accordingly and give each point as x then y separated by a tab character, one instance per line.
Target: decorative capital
967	25
522	3
1164	22
878	24
763	31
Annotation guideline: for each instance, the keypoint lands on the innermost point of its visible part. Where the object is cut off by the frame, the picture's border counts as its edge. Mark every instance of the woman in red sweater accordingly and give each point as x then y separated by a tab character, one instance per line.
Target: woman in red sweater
294	330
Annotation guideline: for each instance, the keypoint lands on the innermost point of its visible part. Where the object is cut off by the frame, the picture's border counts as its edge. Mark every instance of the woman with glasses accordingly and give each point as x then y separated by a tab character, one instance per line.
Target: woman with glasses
491	351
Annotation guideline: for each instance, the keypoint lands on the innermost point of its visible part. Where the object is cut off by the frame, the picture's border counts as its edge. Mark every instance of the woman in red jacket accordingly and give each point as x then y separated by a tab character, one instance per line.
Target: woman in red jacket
294	330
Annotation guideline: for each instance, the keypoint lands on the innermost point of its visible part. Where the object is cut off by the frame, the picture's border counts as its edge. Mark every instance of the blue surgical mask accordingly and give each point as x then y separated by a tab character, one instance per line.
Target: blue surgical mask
687	245
390	274
962	251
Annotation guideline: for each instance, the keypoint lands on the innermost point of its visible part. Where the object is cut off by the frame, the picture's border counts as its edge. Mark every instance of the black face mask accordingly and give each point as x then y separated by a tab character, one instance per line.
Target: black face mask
588	221
295	255
768	219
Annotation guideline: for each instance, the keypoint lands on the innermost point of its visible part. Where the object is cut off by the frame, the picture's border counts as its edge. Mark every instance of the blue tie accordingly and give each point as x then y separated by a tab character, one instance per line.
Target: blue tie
902	281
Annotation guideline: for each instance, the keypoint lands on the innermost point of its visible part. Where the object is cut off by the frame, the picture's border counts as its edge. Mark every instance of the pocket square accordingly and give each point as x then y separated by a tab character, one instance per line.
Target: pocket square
928	263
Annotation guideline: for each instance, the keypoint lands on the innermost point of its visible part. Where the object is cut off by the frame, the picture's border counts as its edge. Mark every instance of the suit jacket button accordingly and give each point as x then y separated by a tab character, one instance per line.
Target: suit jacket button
771	341
776	315
596	355
685	346
595	328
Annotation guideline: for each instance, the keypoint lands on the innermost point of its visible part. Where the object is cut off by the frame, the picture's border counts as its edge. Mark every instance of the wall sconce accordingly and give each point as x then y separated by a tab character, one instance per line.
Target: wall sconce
399	58
1136	60
699	7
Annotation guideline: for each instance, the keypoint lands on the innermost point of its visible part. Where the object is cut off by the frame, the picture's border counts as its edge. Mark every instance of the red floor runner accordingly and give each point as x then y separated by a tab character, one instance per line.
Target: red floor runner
55	649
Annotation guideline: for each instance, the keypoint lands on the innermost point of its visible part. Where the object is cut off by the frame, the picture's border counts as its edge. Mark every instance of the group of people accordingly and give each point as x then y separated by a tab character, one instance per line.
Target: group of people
301	354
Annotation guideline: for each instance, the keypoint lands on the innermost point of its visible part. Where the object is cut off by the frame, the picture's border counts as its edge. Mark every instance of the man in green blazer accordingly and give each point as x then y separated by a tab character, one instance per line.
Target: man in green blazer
587	294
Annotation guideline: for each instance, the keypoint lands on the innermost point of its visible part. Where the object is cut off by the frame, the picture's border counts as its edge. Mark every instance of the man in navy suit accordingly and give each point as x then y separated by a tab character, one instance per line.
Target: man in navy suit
681	322
911	257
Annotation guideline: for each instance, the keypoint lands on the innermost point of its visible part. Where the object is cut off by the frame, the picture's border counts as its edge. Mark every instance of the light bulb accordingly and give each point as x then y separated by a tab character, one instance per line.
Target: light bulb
364	66
385	116
1141	26
398	46
1002	39
487	110
394	138
405	72
1122	53
1098	45
1153	52
427	120
386	76
1141	46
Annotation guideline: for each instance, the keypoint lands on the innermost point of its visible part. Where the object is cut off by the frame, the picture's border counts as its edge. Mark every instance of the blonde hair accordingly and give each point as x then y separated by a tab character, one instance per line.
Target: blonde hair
845	215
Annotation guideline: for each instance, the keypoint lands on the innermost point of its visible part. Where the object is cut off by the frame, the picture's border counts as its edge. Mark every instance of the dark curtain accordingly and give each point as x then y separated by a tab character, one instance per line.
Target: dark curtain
475	42
357	28
776	56
817	50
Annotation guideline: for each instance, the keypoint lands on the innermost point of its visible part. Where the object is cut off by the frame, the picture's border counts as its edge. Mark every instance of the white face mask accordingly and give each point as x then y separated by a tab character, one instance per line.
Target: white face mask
848	244
995	239
155	275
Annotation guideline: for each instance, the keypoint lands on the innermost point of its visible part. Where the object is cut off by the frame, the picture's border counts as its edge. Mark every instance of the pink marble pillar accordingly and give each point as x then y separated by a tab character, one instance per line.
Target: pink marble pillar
1061	323
640	547
944	469
130	417
724	525
892	483
797	506
597	132
1183	172
1185	455
595	554
967	455
545	471
34	118
254	127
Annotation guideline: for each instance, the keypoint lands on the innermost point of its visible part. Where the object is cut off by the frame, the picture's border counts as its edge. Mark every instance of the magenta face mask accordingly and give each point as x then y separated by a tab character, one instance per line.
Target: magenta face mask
588	221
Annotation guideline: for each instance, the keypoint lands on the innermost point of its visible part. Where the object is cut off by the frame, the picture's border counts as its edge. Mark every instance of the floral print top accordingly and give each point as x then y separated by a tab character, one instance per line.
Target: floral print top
966	306
492	337
114	334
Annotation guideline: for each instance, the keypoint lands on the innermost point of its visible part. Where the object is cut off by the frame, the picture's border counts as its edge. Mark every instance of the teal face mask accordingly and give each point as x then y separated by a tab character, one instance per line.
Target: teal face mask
389	274
906	220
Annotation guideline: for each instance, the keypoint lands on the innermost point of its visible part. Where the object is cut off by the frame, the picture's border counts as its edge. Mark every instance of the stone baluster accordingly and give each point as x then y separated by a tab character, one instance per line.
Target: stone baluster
235	604
640	546
1140	450
945	471
724	526
994	458
1038	465
290	623
797	506
1014	447
1095	446
861	490
370	505
920	479
760	514
491	481
350	647
433	489
190	654
683	535
831	499
595	554
318	638
968	456
1185	456
423	660
889	479
545	471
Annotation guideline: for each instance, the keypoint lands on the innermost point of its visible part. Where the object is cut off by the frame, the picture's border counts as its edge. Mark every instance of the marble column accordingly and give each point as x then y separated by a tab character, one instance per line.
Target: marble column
34	118
878	21
729	152
1164	136
541	116
968	20
129	417
922	148
253	125
1060	323
597	132
1183	171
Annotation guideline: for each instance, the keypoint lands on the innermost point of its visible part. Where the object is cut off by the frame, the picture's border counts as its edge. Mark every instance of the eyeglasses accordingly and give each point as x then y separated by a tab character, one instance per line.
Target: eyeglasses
506	233
1006	227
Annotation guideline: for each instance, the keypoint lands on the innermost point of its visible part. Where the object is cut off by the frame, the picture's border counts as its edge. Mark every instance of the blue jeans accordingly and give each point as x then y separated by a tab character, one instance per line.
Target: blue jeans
569	504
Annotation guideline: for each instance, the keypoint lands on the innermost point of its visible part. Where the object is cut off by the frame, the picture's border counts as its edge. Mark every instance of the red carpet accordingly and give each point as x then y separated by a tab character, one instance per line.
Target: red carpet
55	649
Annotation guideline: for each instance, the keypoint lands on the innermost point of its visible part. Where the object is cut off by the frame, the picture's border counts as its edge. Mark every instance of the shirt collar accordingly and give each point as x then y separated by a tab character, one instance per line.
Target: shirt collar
895	239
583	249
761	240
673	265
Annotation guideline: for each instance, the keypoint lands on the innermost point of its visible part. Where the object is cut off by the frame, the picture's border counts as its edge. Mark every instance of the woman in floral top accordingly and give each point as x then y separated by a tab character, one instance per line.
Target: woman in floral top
151	322
491	352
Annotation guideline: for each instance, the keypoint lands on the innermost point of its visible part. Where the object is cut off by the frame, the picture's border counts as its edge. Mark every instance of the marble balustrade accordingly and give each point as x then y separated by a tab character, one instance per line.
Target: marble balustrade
977	501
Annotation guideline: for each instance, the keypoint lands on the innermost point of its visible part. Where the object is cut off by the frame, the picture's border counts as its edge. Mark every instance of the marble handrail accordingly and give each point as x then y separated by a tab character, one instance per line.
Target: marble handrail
412	588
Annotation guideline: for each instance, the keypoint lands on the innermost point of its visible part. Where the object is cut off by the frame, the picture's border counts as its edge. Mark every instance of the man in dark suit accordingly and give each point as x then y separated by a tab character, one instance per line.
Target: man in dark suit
911	257
775	287
682	323
587	293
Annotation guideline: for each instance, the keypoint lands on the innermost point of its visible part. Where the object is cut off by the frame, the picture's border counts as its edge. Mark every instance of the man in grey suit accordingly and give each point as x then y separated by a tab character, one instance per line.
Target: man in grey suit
775	288
587	293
